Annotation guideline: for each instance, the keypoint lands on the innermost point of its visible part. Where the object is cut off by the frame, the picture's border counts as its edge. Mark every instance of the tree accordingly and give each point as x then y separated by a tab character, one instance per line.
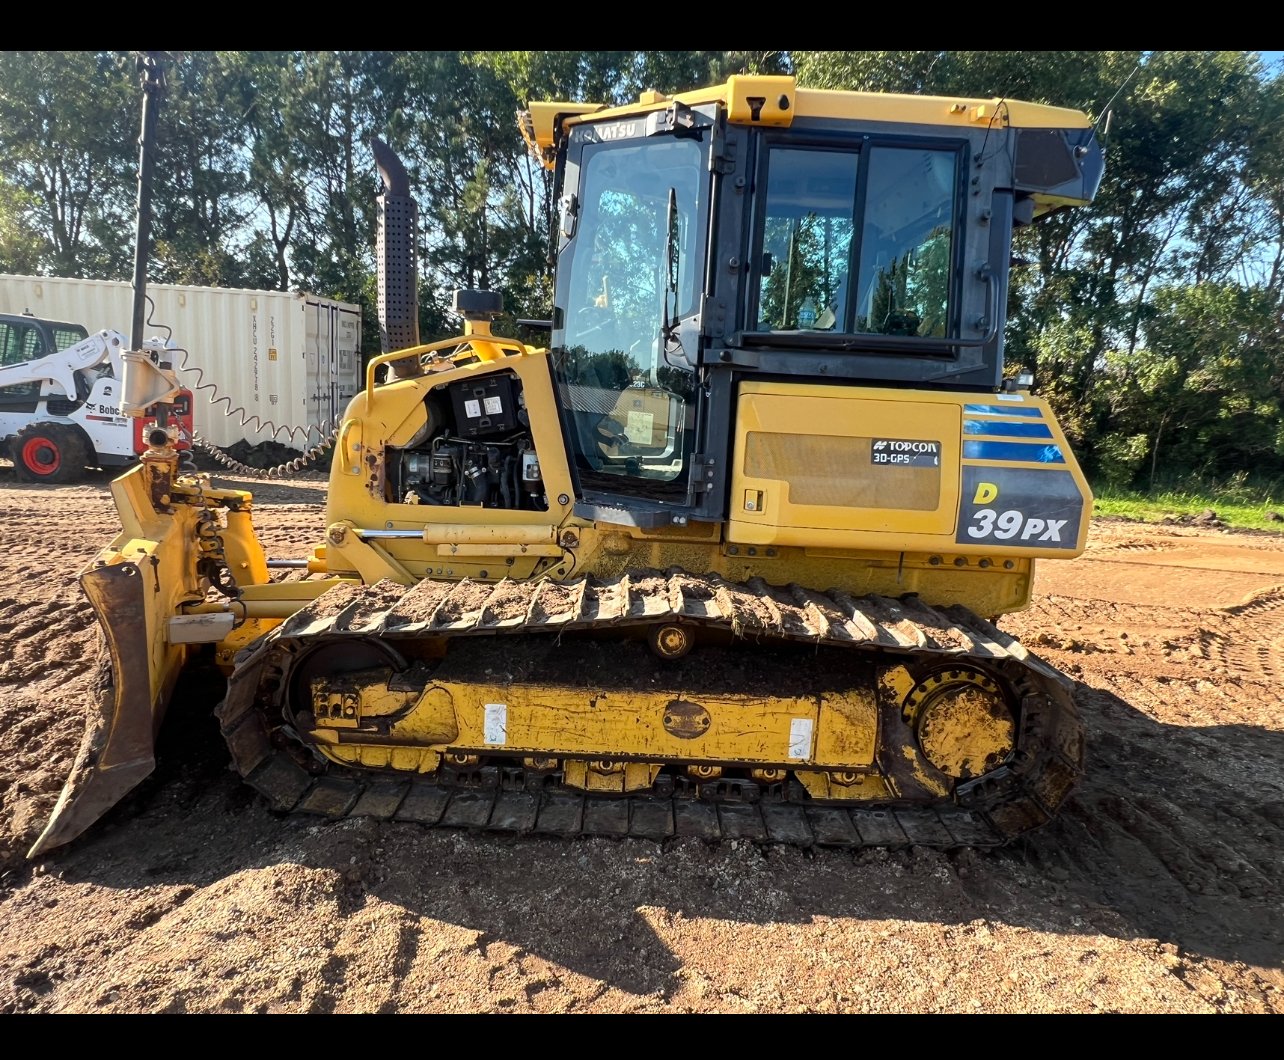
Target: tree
21	245
199	202
69	137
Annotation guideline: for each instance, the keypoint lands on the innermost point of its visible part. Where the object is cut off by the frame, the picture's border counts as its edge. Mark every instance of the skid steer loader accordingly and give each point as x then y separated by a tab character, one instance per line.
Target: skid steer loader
723	559
58	410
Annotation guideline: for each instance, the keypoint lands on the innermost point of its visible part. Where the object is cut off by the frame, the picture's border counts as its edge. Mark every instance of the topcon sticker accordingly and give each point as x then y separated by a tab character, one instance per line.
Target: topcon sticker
905	452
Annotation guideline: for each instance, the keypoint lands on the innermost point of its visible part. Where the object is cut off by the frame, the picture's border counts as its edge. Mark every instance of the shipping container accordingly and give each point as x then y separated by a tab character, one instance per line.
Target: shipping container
263	365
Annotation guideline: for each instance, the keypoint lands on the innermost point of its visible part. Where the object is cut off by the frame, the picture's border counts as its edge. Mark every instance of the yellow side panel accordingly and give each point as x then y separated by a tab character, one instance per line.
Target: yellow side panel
836	459
834	467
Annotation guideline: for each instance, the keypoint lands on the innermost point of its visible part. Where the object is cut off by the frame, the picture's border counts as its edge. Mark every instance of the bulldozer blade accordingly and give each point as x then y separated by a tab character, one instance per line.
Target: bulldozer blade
118	749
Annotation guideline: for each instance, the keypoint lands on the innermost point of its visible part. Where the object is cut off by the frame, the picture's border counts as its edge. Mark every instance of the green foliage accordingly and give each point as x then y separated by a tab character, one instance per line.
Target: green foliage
1206	387
21	244
1120	456
1239	501
68	141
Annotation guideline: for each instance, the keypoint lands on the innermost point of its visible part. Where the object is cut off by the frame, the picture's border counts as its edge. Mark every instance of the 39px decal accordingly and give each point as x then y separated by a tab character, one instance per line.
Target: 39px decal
1016	525
1020	508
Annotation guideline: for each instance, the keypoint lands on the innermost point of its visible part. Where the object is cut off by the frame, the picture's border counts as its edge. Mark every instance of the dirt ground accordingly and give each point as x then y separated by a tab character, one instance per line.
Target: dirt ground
1159	889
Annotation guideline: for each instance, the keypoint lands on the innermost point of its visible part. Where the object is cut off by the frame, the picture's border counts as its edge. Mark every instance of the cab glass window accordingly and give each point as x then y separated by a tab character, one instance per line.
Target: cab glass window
895	235
629	269
806	238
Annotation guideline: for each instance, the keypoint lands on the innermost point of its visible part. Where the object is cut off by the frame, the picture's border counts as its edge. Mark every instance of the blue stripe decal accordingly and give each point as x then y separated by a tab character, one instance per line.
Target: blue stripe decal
1003	410
1011	430
1031	454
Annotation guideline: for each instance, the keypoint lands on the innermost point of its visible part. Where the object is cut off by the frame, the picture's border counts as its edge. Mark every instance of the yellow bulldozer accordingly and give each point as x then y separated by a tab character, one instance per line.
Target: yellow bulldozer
724	558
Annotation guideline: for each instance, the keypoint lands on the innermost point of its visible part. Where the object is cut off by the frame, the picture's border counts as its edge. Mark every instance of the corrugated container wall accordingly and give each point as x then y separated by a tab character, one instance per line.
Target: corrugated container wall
263	365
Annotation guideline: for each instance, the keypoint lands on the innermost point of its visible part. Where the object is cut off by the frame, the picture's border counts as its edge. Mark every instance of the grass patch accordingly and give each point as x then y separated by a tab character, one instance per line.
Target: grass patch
1233	509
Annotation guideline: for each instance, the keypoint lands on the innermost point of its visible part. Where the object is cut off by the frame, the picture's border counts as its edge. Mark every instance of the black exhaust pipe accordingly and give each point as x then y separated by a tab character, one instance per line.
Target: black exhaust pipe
396	260
153	78
153	82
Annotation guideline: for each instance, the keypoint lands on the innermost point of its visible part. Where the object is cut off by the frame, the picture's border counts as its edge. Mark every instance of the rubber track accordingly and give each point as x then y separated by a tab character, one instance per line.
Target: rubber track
986	812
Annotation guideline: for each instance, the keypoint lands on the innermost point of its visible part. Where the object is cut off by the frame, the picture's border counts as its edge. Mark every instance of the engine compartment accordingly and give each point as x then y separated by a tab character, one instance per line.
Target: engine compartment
476	449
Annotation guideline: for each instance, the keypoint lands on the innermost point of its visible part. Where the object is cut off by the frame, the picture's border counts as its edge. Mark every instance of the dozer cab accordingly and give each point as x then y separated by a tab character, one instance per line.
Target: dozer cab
724	558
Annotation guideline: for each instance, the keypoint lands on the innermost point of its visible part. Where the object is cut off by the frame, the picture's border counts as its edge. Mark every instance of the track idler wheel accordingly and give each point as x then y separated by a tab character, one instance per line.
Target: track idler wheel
964	725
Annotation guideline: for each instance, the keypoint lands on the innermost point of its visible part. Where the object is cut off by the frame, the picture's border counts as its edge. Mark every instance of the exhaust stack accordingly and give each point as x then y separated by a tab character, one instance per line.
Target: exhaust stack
396	261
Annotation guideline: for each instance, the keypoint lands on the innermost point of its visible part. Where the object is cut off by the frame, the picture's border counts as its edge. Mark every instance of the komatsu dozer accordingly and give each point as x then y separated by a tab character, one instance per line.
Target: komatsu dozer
724	558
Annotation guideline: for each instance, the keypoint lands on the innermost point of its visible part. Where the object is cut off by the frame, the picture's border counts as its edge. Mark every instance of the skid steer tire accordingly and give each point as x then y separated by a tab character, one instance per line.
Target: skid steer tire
50	452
